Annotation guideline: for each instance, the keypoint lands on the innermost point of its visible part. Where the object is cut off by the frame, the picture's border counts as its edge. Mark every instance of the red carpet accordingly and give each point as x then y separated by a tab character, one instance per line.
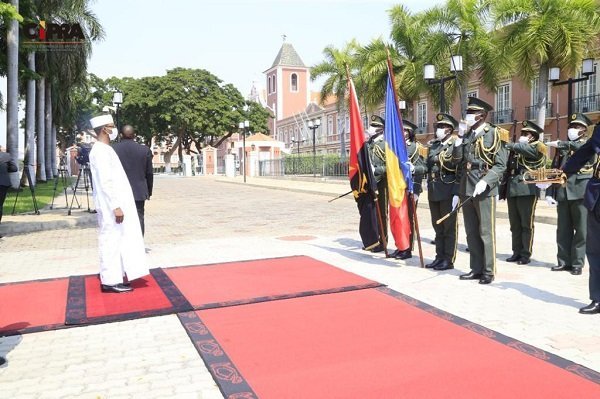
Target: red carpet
153	295
32	305
368	344
226	284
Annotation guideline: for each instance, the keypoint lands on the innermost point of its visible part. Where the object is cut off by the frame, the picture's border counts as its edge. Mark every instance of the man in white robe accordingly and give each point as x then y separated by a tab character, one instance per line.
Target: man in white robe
120	241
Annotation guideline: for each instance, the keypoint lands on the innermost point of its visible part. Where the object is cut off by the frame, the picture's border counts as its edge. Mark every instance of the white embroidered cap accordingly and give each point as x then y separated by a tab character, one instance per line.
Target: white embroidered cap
101	120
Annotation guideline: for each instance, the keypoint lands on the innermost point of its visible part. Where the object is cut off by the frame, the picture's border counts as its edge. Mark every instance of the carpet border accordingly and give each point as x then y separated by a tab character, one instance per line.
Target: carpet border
558	361
224	372
75	314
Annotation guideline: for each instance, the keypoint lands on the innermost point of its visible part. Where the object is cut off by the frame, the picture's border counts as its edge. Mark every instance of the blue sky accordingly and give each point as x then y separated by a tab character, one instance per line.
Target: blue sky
234	39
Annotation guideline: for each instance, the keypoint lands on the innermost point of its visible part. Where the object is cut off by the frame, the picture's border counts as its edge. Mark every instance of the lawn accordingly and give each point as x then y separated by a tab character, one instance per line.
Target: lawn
43	193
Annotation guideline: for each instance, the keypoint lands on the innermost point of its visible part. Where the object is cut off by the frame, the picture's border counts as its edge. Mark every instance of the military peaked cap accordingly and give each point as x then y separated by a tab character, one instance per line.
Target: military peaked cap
408	125
529	126
377	121
446	119
580	119
477	104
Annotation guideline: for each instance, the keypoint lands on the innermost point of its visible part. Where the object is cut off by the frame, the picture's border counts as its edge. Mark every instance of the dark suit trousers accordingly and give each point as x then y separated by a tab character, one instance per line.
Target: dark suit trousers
480	218
140	210
3	191
445	233
593	254
571	232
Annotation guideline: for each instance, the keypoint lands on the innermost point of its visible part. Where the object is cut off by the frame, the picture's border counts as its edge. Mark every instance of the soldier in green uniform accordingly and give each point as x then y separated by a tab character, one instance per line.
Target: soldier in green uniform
442	187
571	226
376	146
481	154
529	155
416	161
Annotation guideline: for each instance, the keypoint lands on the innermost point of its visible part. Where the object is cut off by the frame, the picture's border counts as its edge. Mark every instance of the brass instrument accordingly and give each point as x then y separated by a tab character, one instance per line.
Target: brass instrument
542	175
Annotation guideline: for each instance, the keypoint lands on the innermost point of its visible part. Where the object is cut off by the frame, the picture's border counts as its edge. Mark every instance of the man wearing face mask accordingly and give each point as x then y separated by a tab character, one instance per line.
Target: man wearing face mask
481	155
571	225
120	241
376	146
522	198
442	190
416	163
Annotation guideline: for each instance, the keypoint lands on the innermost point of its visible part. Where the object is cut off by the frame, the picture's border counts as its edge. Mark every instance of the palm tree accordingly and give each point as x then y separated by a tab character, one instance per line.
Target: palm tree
12	100
460	27
538	34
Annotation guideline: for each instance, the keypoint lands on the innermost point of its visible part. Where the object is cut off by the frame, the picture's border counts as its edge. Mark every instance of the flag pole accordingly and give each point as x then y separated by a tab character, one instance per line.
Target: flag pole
410	194
374	194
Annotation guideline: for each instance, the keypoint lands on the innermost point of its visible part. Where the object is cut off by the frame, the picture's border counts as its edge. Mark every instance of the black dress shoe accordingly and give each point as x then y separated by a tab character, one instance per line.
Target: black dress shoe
378	248
561	268
523	261
576	271
592	308
486	279
470	276
513	258
117	288
445	265
433	264
404	255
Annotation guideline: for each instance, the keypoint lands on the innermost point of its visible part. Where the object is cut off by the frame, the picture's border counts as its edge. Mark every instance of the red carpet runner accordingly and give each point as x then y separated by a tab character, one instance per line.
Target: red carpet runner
235	283
32	306
369	344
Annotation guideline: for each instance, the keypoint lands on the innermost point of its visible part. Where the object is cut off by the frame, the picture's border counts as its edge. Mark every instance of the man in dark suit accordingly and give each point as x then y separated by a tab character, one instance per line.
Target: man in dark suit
592	204
137	163
6	166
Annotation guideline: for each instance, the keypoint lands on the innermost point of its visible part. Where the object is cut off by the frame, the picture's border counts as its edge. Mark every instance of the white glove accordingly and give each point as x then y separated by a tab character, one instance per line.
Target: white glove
411	167
455	202
462	129
552	144
551	201
479	188
542	186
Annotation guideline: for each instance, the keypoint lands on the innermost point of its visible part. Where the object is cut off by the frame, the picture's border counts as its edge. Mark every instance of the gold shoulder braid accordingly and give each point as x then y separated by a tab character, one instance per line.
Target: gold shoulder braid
445	156
413	157
542	149
423	151
504	134
532	165
379	152
488	154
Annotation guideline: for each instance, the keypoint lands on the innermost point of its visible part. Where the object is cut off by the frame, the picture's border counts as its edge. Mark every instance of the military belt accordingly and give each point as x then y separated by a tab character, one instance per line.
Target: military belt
476	165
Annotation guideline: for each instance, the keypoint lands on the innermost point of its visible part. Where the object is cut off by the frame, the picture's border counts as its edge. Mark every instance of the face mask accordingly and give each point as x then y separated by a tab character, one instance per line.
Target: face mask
524	139
113	133
470	119
573	134
440	133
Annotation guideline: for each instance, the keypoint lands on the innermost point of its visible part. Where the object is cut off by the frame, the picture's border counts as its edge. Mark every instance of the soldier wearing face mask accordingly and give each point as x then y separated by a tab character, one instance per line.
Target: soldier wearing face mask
571	226
530	154
442	187
481	155
416	164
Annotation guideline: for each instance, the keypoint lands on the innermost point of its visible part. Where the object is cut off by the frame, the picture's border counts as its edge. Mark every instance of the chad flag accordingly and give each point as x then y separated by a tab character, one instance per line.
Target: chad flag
399	178
360	173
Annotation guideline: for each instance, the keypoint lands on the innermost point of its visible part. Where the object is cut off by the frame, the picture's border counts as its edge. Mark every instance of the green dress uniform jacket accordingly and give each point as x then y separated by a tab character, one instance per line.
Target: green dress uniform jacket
571	225
481	156
442	186
376	147
415	152
522	197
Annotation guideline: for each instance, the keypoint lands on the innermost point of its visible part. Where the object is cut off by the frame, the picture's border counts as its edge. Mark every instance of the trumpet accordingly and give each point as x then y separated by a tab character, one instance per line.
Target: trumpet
542	175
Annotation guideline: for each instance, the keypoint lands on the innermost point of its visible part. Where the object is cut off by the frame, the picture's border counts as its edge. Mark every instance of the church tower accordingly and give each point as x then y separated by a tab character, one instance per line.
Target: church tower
288	90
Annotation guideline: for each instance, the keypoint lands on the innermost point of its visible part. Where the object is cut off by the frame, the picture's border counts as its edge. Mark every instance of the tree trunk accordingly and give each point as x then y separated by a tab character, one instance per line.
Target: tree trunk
53	141
12	95
168	154
542	99
48	130
30	121
40	128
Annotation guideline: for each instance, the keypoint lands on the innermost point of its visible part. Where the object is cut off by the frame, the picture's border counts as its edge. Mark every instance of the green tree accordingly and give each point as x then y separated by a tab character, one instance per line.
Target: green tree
537	34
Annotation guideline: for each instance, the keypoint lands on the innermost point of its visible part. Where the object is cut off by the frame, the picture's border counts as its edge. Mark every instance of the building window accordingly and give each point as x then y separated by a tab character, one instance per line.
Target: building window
587	87
503	112
535	87
329	125
294	82
270	84
422	115
274	84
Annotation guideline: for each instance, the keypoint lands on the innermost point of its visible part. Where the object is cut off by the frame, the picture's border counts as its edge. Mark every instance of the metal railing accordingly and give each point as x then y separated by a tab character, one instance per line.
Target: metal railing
531	112
587	104
324	166
501	116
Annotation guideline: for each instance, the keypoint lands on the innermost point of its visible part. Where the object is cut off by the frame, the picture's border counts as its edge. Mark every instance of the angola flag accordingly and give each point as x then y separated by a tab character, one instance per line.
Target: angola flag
361	177
399	178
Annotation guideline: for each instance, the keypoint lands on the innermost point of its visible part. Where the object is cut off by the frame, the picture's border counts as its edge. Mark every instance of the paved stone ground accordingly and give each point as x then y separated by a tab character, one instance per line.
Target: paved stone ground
205	220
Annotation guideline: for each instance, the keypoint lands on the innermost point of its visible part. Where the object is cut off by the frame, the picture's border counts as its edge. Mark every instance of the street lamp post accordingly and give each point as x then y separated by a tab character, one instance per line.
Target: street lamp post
294	141
429	75
117	101
587	70
314	125
244	127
